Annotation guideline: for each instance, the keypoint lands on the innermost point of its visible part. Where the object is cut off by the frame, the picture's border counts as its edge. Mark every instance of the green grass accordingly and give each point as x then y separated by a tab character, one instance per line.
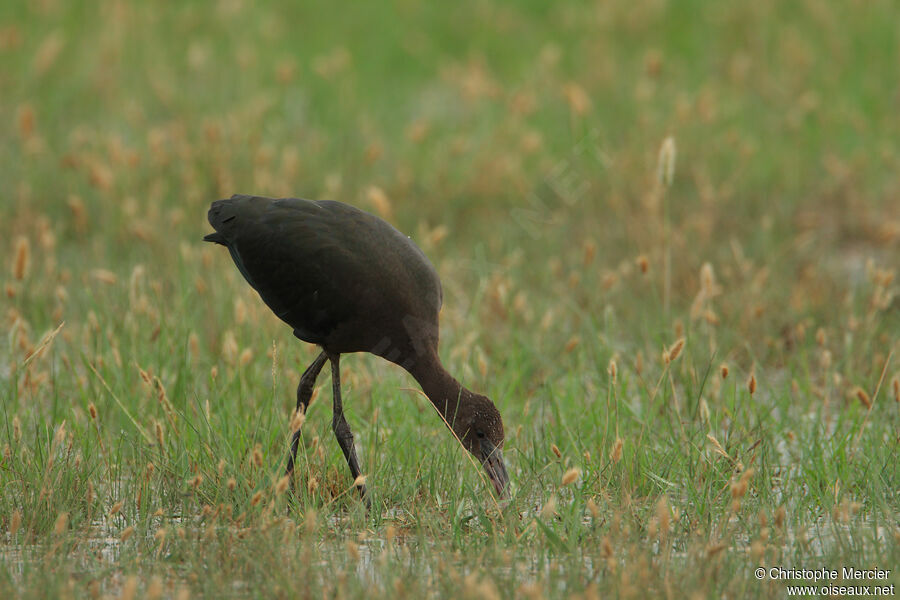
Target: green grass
122	122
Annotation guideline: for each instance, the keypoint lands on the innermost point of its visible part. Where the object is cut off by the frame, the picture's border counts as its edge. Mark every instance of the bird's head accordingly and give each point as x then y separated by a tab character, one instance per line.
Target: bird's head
480	429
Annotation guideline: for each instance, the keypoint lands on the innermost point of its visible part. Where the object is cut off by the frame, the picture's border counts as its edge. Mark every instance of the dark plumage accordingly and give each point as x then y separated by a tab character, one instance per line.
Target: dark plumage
350	282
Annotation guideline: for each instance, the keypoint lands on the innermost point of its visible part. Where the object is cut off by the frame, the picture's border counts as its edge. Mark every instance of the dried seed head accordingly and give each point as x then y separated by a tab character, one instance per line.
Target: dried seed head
104	276
229	347
62	522
665	166
22	258
570	476
163	399
389	534
895	386
311	521
555	450
379	200
194	344
160	436
675	350
704	410
297	420
757	549
79	213
116	508
60	435
663	516
578	99
231	484
717	447
643	263
482	364
129	588
572	343
723	371
617	450
779	517
15	522
352	550
196	481
256	499
154	589
653	62
245	357
739	489
863	397
606	547
17	429
639	362
437	235
593	508
240	311
147	378
92	410
713	549
547	319
707	280
751	384
821	338
609	280
127	533
282	485
612	369
257	455
590	250
360	481
549	508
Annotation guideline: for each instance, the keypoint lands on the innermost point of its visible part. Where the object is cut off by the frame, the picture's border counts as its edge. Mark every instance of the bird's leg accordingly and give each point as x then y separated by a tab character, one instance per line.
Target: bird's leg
304	394
341	428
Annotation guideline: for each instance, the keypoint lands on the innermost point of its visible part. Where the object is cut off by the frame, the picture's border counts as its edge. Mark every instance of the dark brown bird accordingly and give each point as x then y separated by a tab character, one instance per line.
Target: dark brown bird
350	282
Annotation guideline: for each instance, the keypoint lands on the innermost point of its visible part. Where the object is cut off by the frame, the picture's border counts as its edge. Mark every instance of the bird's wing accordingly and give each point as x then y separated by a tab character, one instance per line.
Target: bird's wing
320	264
287	251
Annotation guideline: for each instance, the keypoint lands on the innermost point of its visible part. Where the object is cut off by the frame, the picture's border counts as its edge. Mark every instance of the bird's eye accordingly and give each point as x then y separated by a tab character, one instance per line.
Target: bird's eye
480	434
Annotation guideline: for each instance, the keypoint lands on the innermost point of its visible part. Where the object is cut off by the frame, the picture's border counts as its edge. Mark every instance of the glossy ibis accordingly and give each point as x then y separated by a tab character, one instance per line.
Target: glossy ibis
348	281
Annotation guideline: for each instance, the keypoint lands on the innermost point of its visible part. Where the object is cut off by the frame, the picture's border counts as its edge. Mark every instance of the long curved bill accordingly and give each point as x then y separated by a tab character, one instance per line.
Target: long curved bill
495	467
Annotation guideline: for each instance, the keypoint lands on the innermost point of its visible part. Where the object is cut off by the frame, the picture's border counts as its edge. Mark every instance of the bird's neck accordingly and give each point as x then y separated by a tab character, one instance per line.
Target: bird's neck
442	389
